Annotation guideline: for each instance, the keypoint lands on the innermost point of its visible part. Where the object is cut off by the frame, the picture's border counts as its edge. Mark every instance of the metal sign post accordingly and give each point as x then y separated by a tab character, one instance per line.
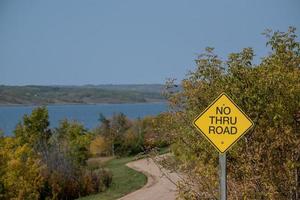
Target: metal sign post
223	176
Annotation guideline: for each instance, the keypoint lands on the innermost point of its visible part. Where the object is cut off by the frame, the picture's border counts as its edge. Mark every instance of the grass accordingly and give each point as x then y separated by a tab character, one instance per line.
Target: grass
125	180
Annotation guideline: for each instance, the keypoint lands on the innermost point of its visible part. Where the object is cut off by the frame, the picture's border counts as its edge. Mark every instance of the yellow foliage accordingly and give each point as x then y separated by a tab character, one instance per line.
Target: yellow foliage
99	146
21	171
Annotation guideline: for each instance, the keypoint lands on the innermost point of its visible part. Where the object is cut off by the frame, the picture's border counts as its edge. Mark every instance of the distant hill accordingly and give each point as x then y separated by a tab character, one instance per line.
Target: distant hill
152	88
87	94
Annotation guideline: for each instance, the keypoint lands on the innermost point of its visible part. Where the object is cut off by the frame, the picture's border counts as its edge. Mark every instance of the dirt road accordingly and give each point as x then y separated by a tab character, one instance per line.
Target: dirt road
158	186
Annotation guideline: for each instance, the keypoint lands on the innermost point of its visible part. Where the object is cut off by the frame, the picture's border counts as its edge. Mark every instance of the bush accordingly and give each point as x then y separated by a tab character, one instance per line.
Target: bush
95	181
100	146
86	182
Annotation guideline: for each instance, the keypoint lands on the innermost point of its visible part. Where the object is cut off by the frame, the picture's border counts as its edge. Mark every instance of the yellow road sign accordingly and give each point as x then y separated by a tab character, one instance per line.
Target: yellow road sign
223	123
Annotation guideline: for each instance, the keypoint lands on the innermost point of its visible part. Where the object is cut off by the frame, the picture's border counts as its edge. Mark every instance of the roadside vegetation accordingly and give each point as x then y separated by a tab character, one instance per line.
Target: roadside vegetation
265	163
42	163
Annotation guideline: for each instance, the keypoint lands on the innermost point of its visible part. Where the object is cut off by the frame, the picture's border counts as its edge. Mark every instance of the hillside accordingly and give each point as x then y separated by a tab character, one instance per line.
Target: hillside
88	94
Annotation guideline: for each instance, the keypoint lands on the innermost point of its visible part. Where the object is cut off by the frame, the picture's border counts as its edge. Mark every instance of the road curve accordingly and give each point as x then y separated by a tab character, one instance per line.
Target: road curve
158	187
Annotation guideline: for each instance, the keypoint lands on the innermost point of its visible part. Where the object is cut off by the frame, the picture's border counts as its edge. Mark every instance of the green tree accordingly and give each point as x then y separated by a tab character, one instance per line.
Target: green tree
34	130
74	139
113	131
119	125
134	138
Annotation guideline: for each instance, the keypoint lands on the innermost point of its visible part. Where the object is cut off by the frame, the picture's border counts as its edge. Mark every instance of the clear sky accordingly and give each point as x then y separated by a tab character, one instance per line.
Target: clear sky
75	42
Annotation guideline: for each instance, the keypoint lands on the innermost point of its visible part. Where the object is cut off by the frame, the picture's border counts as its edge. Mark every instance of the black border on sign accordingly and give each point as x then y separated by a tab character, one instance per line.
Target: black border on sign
222	94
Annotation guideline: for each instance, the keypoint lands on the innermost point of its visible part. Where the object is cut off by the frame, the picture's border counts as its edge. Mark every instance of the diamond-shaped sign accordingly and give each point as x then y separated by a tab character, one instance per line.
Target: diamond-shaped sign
223	123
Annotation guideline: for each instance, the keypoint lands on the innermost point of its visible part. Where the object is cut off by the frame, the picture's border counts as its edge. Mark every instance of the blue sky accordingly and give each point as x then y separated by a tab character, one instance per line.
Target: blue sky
79	42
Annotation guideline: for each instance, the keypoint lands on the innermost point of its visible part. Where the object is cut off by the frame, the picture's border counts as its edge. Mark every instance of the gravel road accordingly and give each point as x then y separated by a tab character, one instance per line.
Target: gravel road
158	187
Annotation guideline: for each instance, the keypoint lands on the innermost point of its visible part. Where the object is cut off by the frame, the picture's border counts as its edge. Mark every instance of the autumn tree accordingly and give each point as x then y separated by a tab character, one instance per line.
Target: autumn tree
264	164
20	170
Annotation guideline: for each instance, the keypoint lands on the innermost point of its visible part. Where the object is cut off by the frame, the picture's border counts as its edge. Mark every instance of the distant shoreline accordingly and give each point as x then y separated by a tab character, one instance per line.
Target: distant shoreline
35	95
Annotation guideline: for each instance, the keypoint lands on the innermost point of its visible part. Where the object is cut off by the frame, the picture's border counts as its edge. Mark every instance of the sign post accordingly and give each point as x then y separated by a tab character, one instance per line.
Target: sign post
223	176
223	123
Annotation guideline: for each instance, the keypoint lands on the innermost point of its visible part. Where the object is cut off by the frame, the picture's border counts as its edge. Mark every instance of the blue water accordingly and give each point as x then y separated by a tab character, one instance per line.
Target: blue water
88	115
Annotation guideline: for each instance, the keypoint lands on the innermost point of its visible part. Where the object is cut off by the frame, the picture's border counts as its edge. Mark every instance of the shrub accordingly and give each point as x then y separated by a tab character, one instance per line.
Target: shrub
82	182
100	146
95	181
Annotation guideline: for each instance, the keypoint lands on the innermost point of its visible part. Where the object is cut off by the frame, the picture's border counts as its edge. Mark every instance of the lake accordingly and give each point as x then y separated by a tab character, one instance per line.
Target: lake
88	115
